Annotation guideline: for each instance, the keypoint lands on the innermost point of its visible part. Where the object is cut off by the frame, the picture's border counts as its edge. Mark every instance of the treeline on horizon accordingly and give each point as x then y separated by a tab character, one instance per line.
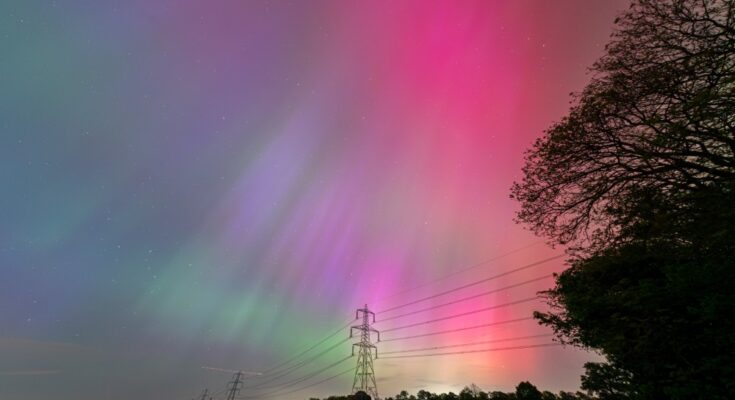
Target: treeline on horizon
524	391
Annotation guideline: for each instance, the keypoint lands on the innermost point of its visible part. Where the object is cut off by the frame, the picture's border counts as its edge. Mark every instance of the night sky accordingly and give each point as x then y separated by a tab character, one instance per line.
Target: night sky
190	183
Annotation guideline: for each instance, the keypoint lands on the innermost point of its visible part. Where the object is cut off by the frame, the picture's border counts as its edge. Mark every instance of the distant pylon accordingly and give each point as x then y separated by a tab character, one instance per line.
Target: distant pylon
234	386
205	395
365	373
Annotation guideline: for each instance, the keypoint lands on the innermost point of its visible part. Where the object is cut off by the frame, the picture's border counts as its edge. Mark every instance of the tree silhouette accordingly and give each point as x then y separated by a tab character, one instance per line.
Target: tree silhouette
546	395
449	396
607	382
657	114
640	179
472	391
466	394
527	391
423	395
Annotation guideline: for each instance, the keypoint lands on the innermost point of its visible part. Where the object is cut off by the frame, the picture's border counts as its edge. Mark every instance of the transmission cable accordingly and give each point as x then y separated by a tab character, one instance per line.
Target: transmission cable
473	266
304	378
301	388
466	298
294	367
511	339
308	349
512	303
509	321
215	395
310	375
531	346
475	283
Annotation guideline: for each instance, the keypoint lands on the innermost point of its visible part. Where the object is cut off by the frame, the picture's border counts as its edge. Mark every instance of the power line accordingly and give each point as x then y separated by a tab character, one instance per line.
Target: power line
308	349
285	368
473	266
296	366
205	394
304	378
512	339
462	314
305	387
313	374
467	298
231	370
476	351
458	329
475	283
215	395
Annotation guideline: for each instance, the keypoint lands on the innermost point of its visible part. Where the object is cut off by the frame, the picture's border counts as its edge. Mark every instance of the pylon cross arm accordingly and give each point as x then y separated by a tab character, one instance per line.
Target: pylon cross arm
358	327
364	311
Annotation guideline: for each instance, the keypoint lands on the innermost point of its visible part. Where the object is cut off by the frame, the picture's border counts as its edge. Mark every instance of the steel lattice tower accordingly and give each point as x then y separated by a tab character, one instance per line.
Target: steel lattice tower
235	385
205	395
365	373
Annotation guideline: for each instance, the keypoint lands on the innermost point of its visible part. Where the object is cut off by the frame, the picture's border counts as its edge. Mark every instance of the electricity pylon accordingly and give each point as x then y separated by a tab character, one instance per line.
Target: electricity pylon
205	395
235	385
365	373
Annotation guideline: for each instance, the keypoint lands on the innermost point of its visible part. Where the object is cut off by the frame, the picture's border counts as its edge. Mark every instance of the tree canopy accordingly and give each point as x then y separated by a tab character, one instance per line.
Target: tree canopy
657	115
524	391
639	178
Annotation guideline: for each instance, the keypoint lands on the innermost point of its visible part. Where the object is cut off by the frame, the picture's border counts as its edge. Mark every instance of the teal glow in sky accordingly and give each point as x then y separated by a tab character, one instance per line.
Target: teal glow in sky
190	183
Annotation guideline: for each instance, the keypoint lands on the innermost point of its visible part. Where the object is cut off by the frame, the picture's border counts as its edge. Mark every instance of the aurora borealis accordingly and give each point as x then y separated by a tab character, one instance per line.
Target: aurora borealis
189	183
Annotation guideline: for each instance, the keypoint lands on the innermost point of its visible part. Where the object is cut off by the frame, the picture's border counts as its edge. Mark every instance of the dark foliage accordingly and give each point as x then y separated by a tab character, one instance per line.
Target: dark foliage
527	391
524	391
609	382
658	114
659	307
640	179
